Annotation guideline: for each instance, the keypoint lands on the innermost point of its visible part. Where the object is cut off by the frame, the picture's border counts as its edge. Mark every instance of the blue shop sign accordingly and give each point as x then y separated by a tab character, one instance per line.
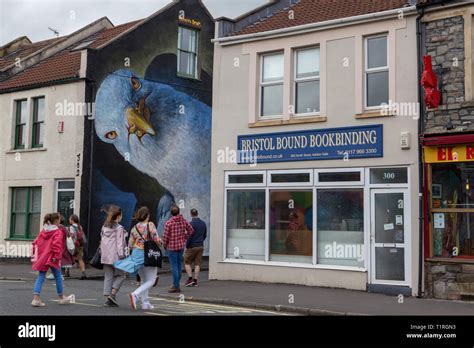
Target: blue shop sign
318	144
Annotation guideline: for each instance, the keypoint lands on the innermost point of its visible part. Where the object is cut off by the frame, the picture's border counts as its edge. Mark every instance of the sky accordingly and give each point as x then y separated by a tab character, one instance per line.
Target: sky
32	18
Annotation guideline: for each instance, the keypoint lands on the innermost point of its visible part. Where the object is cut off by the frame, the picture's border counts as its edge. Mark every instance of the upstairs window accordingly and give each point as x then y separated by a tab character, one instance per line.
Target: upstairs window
187	52
21	118
38	122
376	71
307	81
271	85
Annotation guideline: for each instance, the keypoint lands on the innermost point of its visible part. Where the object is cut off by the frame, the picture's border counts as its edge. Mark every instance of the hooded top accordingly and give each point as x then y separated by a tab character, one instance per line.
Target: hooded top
112	244
48	245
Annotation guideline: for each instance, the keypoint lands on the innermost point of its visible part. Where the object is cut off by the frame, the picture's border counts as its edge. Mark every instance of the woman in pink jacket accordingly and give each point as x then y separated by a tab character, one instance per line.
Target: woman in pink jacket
47	253
113	248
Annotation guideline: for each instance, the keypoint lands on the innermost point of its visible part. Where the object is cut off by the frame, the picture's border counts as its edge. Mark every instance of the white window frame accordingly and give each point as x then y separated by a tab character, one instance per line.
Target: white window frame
243	185
290	184
368	71
57	190
339	183
196	54
305	79
393	185
262	84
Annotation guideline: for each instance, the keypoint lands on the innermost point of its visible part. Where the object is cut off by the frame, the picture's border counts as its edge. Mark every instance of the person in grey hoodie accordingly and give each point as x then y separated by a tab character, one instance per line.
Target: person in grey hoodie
113	248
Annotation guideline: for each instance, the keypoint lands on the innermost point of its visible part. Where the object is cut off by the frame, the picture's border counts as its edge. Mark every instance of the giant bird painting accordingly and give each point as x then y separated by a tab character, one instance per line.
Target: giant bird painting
163	133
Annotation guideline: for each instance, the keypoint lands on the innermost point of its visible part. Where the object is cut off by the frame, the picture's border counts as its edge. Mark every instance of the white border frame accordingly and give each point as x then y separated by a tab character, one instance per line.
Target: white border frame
339	183
375	70
262	84
244	185
57	190
393	185
310	183
406	245
296	80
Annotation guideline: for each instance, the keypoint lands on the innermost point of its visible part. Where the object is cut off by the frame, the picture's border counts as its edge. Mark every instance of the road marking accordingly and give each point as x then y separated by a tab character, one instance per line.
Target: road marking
12	281
225	307
79	303
156	313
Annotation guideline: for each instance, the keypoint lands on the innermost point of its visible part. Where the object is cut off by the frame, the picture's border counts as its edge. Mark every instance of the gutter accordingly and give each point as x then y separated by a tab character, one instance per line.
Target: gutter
315	26
419	48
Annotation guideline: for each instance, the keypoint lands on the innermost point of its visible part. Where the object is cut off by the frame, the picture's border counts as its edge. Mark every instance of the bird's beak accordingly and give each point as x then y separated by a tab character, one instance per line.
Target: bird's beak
138	120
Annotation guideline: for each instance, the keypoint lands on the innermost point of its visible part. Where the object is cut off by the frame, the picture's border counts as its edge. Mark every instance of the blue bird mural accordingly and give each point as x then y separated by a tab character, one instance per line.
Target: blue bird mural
162	132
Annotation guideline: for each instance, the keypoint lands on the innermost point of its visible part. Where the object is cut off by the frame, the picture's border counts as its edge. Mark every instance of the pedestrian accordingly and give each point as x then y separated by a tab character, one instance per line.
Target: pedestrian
113	248
143	231
67	261
195	248
176	231
77	233
48	249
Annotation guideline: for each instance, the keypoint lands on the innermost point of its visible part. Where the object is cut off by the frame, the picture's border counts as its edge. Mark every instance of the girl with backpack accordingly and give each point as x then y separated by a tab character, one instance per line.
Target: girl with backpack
141	233
113	248
47	253
77	233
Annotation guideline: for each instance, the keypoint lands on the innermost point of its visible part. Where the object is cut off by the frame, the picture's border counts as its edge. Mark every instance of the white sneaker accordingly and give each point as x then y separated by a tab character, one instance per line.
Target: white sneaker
50	276
148	307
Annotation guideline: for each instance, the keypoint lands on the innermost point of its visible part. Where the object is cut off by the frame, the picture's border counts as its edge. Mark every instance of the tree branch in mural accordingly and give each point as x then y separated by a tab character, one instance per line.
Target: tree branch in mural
145	122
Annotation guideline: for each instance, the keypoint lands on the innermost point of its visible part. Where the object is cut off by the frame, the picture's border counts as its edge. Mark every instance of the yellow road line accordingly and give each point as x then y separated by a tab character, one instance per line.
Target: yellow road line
156	313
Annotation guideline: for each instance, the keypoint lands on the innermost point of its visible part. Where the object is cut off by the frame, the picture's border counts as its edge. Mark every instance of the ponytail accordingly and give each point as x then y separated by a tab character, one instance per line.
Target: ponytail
49	219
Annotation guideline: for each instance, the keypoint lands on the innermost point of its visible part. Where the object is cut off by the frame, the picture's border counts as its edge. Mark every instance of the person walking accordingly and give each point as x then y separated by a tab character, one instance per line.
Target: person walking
77	233
48	249
67	261
140	233
113	248
195	249
176	231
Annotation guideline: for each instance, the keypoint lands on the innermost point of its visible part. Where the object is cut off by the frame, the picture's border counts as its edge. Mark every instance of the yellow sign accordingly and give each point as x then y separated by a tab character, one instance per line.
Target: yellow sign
449	153
191	22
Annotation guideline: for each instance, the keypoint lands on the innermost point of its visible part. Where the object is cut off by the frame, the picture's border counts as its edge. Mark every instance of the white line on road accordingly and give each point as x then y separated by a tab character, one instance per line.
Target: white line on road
12	281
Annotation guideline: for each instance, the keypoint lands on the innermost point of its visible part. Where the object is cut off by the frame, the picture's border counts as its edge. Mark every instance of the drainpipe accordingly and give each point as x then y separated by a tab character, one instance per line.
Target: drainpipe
419	37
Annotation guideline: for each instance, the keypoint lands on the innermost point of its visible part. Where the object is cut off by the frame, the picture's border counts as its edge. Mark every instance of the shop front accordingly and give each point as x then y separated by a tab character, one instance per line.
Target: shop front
449	228
337	220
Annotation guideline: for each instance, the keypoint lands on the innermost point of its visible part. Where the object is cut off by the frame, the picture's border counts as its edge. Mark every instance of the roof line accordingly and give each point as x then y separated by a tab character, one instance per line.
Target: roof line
248	13
312	26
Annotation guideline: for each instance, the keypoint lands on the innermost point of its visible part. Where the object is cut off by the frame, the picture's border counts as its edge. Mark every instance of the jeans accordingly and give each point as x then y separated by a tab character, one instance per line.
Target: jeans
147	279
40	280
113	279
176	261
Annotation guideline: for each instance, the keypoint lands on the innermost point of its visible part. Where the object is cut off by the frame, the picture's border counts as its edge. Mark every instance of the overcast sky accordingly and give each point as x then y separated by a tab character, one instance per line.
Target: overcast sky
33	17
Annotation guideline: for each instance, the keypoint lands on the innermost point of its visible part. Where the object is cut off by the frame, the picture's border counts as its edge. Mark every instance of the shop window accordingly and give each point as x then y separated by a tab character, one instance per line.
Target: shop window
291	226
271	85
290	178
245	224
307	83
452	203
188	52
257	179
376	71
21	119
340	227
25	212
330	177
65	198
38	122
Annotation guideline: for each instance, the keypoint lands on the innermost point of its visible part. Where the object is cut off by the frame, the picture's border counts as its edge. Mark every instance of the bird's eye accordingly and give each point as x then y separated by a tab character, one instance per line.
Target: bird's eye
136	84
111	135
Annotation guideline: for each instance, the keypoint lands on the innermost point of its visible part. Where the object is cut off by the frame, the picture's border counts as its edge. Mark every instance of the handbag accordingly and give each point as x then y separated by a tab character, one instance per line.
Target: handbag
153	253
96	260
70	245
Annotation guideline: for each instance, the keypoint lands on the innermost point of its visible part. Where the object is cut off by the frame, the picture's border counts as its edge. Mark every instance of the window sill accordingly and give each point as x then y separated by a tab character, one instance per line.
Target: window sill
33	149
293	265
20	239
269	123
373	114
449	260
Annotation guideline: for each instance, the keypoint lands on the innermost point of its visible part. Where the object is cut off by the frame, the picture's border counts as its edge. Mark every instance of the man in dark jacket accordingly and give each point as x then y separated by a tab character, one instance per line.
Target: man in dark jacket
194	249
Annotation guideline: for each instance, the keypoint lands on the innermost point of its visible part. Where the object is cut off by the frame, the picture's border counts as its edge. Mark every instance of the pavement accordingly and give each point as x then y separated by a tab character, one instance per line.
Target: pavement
232	297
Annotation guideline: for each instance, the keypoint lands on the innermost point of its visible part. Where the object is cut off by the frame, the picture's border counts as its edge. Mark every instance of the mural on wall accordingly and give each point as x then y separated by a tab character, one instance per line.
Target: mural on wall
164	133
